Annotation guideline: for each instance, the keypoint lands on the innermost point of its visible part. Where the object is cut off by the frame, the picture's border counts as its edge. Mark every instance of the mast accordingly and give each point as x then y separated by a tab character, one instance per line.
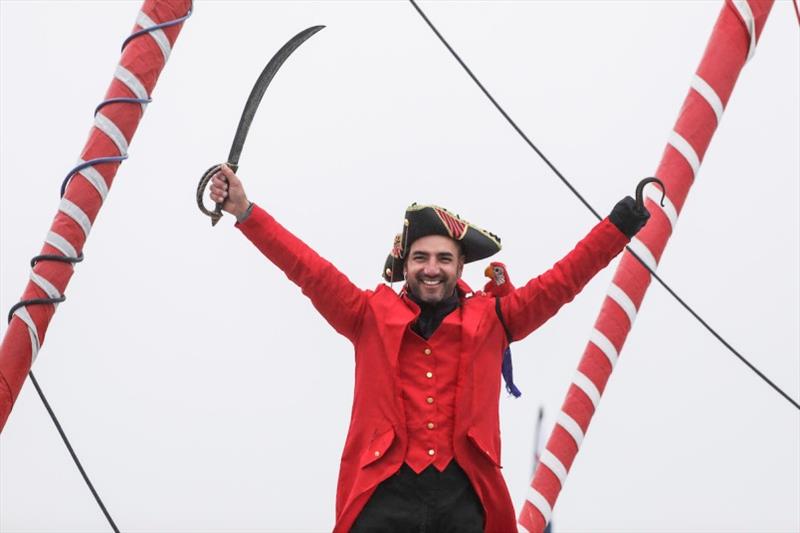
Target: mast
144	55
731	45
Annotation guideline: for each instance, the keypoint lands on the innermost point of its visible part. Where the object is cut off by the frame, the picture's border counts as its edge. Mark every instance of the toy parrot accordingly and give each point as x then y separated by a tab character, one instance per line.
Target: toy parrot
499	284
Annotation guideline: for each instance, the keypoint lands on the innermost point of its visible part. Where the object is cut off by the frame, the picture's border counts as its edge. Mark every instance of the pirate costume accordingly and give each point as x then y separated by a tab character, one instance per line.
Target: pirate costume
423	448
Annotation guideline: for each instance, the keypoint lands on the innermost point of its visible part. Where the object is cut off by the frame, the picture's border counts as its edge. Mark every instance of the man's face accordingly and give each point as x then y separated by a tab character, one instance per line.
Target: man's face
433	266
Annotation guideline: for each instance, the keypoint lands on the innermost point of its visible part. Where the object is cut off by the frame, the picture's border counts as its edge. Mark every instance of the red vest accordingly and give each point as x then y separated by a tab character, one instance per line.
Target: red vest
376	322
428	376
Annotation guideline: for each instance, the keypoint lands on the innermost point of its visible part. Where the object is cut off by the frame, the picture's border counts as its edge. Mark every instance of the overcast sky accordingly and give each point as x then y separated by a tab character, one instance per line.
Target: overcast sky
203	392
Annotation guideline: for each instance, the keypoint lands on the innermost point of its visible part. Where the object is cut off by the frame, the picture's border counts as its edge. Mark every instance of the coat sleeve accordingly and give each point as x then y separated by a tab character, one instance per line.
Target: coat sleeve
337	299
528	307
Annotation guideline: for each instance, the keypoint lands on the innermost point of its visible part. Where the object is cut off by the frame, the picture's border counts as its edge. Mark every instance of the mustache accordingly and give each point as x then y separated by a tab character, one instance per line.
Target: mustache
423	277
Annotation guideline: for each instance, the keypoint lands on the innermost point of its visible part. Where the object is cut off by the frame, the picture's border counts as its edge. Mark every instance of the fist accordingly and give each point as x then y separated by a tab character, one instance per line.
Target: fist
226	189
629	217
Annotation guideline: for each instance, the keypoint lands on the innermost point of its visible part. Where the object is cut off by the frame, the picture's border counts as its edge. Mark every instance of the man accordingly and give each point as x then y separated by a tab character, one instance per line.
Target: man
423	450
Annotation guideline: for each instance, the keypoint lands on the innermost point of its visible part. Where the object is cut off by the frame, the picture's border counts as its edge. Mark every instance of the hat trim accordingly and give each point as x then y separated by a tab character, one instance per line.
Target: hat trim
452	223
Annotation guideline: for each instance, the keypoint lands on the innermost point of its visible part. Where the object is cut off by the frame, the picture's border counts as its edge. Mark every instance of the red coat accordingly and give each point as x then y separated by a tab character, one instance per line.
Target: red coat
375	322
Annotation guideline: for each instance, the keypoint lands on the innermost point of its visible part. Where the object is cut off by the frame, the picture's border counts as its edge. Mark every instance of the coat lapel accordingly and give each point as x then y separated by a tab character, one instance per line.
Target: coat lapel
472	319
396	316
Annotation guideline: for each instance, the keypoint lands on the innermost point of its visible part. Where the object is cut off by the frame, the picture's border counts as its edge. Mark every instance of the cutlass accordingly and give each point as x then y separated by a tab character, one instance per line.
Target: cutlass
248	113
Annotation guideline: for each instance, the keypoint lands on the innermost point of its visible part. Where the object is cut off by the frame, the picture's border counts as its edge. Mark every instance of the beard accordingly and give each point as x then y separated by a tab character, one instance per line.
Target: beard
432	290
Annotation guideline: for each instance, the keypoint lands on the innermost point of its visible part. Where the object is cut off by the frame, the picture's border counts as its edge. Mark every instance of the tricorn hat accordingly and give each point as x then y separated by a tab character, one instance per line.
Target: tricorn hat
424	220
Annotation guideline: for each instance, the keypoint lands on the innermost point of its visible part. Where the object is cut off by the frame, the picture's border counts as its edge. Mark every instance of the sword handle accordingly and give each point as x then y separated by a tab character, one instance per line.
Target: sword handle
216	214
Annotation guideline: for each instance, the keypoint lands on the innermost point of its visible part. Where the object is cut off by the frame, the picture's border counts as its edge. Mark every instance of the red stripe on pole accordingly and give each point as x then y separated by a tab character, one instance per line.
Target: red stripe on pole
724	57
144	59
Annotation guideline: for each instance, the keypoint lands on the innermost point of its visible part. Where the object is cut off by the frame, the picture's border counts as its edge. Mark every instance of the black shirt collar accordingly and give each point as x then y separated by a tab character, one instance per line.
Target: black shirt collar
432	315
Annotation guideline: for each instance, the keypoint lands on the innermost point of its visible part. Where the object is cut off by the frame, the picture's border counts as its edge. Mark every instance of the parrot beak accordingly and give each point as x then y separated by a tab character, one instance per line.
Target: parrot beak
489	272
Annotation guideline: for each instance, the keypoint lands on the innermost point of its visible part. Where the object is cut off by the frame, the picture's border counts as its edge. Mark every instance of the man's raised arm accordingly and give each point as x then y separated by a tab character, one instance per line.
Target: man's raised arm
530	306
340	302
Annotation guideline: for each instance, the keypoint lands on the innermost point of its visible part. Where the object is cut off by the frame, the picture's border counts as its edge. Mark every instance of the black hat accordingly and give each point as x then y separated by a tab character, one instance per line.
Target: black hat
424	220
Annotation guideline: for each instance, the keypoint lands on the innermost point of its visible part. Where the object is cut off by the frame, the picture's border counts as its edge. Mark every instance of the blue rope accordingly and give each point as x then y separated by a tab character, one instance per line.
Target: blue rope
121	100
167	24
86	164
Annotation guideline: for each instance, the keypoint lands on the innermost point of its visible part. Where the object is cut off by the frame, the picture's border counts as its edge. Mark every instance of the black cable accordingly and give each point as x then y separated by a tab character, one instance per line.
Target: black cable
505	115
594	212
72	452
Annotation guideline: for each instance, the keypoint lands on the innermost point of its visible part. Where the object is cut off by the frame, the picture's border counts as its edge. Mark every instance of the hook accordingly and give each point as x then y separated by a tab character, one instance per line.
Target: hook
640	190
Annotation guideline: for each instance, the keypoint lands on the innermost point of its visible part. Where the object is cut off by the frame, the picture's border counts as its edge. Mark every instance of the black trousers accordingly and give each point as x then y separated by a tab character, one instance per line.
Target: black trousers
429	502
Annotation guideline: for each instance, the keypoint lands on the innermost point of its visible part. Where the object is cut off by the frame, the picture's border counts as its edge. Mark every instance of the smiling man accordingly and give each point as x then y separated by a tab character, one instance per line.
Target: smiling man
423	450
434	266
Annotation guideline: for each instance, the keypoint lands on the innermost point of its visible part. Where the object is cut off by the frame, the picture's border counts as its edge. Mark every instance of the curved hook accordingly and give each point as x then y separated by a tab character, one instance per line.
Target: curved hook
640	191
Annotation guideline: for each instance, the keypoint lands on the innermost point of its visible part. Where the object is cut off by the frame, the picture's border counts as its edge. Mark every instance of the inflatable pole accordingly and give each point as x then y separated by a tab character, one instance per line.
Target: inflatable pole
732	43
144	54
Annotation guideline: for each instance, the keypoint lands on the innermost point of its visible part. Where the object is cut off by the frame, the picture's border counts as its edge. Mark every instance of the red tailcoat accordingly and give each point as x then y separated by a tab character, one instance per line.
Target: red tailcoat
375	322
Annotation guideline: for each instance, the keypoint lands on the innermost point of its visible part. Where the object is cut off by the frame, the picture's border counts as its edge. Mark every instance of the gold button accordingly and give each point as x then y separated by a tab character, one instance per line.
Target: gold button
428	375
430	399
377	453
431	425
431	452
427	351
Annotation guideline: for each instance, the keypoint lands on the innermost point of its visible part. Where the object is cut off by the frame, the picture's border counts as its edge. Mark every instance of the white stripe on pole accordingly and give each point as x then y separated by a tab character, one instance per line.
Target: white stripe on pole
709	94
686	150
91	175
555	465
22	314
104	124
540	502
158	35
132	82
61	244
597	338
588	387
571	427
76	213
45	285
624	301
749	22
654	193
644	253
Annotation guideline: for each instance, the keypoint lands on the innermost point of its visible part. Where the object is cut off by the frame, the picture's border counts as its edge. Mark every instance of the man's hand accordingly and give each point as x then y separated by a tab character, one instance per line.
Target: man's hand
226	189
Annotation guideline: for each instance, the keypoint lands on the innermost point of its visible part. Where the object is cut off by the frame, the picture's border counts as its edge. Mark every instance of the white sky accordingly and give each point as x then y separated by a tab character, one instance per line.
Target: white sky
200	388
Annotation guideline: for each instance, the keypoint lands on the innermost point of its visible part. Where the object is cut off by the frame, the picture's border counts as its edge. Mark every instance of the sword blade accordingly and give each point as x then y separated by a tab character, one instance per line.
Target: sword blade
260	88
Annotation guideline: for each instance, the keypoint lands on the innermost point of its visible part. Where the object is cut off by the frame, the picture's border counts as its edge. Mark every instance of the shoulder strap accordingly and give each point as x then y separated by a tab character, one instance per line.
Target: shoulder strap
502	320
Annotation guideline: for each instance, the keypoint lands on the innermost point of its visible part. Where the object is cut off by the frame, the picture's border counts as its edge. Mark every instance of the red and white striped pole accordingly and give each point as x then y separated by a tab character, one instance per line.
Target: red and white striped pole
139	66
732	43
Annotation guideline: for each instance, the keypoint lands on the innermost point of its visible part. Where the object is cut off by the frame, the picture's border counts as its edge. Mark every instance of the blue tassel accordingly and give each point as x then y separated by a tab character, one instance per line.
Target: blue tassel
508	374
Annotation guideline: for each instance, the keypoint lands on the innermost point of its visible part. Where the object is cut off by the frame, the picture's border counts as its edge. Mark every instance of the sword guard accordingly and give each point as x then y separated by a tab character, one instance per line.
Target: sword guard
216	214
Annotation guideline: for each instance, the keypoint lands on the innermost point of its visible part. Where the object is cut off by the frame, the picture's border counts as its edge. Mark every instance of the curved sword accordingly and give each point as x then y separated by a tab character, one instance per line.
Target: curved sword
248	113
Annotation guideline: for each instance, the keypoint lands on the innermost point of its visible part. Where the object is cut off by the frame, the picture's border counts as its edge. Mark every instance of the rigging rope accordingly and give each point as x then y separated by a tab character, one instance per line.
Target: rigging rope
55	297
595	213
72	453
